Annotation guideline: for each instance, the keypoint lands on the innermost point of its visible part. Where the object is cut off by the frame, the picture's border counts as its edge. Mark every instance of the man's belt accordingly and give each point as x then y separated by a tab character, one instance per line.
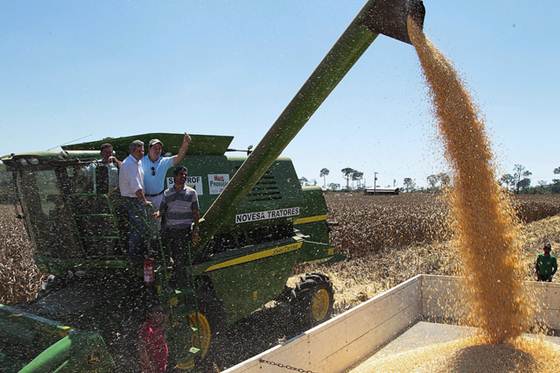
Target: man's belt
155	195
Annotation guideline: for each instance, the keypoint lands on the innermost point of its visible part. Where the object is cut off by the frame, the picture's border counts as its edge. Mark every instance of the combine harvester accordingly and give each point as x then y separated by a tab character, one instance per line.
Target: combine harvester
258	224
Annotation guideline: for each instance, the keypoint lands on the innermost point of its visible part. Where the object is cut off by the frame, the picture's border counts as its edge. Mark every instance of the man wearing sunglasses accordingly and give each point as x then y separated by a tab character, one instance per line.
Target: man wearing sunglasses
155	168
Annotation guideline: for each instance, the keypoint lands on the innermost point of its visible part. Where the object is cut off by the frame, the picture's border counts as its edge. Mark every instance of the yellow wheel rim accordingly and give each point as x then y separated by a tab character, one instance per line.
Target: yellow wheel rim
320	304
201	337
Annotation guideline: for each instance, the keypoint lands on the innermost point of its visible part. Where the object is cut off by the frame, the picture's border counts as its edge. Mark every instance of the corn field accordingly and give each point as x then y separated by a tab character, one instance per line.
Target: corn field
387	239
362	224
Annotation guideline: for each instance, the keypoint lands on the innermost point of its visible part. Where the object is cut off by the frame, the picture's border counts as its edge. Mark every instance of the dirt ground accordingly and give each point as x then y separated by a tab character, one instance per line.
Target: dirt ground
411	229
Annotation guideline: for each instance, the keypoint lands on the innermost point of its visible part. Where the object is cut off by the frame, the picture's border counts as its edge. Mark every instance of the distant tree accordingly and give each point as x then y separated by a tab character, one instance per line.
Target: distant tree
314	182
507	180
520	173
347	172
432	181
556	172
303	180
444	179
357	176
409	184
523	184
438	181
542	187
323	173
334	186
555	186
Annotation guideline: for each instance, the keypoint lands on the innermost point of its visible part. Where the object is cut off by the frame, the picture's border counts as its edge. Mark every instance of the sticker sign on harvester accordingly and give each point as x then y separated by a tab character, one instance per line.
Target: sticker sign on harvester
217	182
194	182
266	215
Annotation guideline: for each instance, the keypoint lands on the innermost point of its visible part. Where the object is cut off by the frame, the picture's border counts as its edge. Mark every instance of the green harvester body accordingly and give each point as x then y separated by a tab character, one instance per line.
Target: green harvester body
258	223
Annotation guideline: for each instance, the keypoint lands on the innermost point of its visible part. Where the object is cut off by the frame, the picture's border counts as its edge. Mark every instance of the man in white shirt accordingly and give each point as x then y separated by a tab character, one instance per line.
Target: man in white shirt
156	167
131	185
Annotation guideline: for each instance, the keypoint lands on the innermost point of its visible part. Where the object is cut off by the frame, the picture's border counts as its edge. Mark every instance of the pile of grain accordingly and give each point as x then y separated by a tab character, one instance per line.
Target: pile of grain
472	355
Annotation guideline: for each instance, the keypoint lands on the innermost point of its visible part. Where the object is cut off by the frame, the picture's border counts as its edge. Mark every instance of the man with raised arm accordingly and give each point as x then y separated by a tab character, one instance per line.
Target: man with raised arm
155	168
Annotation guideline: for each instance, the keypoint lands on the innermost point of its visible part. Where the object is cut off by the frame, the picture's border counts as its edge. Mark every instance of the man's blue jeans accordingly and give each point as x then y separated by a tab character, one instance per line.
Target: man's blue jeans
137	229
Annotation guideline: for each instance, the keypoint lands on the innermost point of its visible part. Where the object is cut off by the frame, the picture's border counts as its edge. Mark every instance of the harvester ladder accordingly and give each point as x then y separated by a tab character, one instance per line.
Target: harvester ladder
100	215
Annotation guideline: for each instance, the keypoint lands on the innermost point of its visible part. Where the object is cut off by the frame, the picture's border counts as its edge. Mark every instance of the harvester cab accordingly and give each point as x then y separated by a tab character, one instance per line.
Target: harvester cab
258	224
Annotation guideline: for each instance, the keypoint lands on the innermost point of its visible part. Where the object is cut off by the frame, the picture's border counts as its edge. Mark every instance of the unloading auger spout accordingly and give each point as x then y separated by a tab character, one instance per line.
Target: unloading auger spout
388	17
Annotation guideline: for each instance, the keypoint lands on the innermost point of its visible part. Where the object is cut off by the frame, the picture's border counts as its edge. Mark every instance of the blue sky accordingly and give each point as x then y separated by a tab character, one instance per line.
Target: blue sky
73	69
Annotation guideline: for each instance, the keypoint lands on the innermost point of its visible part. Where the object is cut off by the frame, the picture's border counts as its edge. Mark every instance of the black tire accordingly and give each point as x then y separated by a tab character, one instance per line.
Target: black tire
312	299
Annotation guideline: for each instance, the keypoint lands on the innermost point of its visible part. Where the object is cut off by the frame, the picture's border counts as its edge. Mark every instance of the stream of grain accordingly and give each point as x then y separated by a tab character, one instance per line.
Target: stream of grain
487	236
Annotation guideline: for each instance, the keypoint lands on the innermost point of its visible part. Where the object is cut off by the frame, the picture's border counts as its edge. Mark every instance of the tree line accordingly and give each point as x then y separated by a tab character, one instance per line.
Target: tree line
518	181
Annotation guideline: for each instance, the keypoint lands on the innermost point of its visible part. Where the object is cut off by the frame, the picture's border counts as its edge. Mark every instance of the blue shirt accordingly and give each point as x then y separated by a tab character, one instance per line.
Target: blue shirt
154	173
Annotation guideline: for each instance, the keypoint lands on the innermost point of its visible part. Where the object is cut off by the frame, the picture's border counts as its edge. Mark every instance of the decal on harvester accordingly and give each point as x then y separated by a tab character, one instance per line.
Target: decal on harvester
194	182
266	215
217	183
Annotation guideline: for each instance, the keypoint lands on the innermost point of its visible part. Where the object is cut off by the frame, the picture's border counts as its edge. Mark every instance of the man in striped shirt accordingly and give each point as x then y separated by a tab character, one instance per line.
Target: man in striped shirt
179	213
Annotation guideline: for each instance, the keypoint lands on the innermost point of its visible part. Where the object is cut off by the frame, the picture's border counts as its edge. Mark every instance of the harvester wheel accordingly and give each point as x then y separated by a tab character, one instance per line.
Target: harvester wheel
203	337
312	299
206	322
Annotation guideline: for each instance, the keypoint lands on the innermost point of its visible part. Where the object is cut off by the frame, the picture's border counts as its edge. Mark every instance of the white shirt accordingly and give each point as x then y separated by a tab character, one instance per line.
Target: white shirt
131	177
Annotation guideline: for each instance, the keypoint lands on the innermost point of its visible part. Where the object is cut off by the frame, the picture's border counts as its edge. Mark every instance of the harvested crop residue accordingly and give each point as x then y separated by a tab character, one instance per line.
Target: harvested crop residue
19	276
